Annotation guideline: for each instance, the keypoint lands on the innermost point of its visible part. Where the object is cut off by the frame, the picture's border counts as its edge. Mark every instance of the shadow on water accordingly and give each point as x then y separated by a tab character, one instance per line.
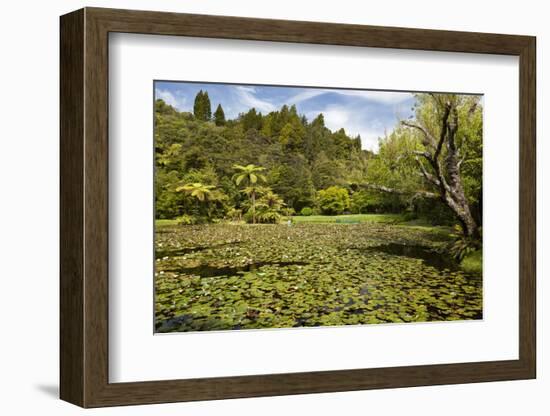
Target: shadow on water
159	253
431	257
206	270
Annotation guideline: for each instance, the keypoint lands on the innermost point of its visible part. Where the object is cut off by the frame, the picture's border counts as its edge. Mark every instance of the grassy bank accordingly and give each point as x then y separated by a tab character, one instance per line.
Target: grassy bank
473	262
355	218
163	223
323	219
394	219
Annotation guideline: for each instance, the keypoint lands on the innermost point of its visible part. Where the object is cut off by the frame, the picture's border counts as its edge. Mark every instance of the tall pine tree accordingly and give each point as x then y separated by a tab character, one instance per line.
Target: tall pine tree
201	107
207	110
197	106
219	116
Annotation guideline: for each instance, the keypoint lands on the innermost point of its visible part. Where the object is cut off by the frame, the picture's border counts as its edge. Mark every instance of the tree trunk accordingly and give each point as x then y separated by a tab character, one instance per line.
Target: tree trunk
454	190
445	169
462	211
457	203
253	196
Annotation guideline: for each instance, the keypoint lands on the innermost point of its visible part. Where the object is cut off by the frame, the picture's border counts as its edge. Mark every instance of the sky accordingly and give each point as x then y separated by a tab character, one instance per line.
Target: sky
365	112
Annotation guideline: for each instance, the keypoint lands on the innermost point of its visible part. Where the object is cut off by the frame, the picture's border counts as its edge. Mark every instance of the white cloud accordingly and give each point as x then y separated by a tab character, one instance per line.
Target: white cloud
367	113
369	137
247	88
381	97
354	122
306	95
336	117
177	102
249	100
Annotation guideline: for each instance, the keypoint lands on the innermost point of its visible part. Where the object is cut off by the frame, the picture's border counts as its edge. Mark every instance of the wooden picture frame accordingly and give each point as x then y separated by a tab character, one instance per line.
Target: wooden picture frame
84	207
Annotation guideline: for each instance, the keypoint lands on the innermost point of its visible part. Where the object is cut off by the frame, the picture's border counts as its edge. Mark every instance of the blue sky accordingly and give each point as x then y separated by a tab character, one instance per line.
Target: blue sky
365	112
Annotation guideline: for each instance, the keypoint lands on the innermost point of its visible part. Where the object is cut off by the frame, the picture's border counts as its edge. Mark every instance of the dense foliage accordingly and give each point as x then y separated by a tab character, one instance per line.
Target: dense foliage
333	200
296	158
346	252
308	167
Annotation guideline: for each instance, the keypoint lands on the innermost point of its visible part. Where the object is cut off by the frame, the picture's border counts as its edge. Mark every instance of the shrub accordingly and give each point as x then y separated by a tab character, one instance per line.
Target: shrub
269	217
473	262
334	200
263	216
288	211
234	214
306	211
435	211
462	246
410	216
186	220
359	203
366	202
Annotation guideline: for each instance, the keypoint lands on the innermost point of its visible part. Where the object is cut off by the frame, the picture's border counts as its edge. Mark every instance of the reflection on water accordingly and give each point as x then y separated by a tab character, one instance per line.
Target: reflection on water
205	270
431	257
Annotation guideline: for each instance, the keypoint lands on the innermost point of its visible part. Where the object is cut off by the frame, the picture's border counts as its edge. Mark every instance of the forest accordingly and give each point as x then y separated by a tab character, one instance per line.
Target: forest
230	194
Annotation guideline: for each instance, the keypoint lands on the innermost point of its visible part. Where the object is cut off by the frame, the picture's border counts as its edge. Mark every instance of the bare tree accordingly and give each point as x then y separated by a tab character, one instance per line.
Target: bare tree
439	163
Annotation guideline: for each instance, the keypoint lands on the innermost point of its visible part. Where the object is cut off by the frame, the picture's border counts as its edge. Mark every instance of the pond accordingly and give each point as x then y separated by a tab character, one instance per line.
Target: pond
430	256
220	277
205	270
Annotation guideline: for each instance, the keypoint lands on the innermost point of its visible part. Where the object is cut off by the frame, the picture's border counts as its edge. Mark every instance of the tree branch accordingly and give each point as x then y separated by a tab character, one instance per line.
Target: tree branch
429	177
429	140
427	155
443	185
438	180
388	190
443	134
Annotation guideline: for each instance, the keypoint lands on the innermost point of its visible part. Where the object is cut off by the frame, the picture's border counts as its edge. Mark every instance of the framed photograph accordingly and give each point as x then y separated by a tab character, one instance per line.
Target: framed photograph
255	207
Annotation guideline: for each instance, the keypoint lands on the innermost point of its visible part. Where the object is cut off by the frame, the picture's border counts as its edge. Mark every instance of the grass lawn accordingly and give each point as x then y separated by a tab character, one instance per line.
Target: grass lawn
354	218
164	223
324	219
